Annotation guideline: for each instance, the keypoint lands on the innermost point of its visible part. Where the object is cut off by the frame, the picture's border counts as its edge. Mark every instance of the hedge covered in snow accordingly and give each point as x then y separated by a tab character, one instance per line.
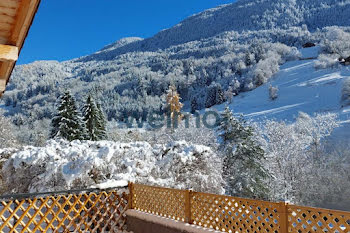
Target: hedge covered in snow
62	165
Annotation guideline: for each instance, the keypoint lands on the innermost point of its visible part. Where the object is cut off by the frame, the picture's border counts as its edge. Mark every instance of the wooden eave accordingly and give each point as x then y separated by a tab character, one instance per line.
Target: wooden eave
16	17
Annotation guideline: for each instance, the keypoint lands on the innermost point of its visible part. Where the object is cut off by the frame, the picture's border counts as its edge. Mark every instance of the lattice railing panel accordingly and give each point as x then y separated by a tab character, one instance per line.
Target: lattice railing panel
307	219
164	202
230	214
85	212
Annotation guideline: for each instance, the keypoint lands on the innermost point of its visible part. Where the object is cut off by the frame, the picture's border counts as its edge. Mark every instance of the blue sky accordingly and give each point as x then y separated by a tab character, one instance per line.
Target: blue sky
68	29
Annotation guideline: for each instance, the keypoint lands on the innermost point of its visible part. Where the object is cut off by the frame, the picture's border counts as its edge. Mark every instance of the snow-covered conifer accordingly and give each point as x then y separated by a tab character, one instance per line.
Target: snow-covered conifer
194	105
243	158
248	59
68	122
101	123
220	96
211	97
91	119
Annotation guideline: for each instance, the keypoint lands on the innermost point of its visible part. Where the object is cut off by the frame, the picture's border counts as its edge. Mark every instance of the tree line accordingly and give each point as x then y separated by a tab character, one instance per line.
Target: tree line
71	124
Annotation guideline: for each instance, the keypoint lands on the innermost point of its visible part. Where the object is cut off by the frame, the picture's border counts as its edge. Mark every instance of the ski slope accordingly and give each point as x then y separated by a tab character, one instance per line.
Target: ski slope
301	88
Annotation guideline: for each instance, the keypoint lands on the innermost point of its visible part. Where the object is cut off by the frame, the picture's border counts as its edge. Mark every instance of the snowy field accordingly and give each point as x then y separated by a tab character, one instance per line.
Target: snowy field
301	86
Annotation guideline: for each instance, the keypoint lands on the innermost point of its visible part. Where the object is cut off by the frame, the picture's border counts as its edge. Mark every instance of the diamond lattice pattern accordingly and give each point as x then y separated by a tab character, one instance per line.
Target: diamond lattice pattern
306	219
230	214
169	203
86	212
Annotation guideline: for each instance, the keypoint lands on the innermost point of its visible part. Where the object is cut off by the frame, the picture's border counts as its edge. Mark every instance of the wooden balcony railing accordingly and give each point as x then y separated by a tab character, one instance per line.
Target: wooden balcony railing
104	211
231	214
74	211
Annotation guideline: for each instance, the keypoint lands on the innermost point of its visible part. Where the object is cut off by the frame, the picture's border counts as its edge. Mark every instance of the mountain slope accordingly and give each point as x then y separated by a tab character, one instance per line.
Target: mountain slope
301	88
259	15
248	15
209	57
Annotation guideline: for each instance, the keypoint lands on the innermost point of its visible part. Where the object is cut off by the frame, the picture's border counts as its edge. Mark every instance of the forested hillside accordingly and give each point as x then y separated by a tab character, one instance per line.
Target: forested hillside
208	64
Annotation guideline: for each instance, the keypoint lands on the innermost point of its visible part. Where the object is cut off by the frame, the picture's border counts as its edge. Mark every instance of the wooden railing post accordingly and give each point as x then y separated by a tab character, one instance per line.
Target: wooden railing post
283	211
130	201
188	197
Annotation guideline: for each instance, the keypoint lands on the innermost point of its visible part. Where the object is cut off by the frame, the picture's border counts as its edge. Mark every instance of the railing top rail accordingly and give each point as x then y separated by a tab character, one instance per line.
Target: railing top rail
252	201
21	196
316	209
160	187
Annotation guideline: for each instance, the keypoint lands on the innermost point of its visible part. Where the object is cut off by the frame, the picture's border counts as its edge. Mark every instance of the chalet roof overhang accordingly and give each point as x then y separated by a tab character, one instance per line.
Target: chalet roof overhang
16	17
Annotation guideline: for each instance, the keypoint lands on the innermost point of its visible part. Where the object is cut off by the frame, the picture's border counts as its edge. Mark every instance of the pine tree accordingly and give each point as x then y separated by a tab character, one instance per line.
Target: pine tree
248	60
215	95
90	118
220	97
194	105
211	97
101	124
94	119
243	158
67	123
257	49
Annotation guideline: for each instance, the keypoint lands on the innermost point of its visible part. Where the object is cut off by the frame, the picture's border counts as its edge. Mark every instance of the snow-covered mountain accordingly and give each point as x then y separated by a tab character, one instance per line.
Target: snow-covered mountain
211	56
249	15
254	15
301	88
